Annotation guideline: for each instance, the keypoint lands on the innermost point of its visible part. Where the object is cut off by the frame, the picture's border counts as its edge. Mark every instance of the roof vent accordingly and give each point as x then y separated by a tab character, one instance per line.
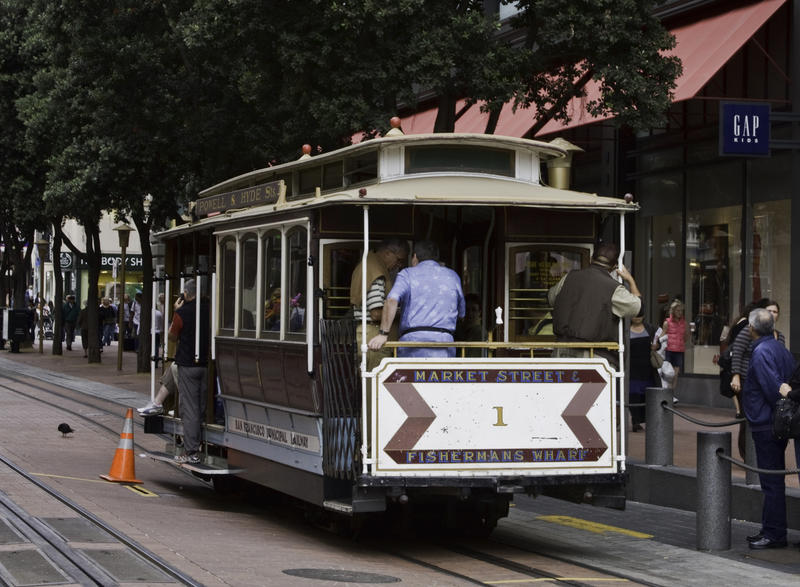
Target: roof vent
559	168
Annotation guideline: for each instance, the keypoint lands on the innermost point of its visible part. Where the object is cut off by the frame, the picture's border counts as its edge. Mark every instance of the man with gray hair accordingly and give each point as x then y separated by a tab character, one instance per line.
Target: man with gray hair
771	365
191	362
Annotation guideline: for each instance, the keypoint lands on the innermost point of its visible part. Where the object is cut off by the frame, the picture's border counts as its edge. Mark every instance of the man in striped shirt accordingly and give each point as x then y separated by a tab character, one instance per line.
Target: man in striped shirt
382	264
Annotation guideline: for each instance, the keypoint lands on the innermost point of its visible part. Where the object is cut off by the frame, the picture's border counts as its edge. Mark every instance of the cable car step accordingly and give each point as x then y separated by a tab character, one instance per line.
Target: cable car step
214	466
343	506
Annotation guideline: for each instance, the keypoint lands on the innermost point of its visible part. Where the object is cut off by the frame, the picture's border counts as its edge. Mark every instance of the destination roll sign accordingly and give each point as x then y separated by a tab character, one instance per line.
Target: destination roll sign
744	129
258	195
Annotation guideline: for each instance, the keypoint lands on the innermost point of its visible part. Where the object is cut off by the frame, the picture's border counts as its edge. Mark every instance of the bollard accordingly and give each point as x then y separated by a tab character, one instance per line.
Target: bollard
750	477
713	491
658	444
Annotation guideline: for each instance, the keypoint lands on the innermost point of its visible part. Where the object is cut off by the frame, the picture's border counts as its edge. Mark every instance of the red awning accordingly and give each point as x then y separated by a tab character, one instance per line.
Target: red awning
704	47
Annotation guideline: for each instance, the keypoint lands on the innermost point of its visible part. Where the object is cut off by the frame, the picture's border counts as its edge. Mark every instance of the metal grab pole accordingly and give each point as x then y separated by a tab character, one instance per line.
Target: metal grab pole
363	346
713	491
197	319
153	349
658	447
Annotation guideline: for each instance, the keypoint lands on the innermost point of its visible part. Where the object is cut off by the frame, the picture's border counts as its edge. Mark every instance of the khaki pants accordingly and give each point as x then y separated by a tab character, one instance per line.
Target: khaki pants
373	357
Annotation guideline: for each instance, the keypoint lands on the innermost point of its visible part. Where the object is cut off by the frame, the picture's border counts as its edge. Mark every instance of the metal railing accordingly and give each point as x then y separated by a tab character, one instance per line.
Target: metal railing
714	462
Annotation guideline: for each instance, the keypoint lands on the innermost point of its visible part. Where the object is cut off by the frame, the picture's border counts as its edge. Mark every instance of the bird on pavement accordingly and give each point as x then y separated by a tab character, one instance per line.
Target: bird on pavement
65	429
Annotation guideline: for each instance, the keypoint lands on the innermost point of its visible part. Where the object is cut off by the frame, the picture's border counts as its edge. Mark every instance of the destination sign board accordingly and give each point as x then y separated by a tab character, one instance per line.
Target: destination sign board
257	195
550	416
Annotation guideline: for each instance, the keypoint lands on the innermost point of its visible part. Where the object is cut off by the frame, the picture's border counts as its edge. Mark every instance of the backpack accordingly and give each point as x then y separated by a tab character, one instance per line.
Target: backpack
786	419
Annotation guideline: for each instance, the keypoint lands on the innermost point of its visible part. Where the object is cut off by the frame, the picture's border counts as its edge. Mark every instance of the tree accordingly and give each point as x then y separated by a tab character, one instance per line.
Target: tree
21	171
617	43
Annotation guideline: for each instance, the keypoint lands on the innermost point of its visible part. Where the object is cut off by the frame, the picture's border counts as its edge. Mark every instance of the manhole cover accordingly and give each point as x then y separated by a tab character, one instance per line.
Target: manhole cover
341	575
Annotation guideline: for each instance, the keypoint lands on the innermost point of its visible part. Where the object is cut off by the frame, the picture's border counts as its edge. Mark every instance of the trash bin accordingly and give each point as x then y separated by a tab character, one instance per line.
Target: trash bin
18	328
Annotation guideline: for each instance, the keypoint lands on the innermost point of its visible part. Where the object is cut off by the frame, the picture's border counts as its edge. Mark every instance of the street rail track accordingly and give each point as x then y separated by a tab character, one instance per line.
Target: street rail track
512	565
74	561
474	563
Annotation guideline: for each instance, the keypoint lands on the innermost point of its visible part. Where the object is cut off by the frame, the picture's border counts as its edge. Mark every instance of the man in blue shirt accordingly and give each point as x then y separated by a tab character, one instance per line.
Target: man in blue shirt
771	365
432	301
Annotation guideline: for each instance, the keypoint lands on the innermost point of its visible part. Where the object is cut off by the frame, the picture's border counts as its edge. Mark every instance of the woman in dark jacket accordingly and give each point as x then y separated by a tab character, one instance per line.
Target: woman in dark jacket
642	374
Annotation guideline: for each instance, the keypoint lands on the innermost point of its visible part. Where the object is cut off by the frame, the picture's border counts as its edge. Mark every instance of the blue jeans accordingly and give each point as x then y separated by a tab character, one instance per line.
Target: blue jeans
108	333
770	454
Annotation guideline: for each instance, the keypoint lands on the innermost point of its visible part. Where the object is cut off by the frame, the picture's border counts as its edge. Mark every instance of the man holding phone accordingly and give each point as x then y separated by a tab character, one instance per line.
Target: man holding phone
588	303
192	363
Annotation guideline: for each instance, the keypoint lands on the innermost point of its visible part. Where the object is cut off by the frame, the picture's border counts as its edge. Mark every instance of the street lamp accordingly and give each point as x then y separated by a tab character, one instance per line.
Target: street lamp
41	248
123	232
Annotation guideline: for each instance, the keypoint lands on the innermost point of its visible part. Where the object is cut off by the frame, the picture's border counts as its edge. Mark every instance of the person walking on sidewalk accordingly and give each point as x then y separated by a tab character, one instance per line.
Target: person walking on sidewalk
70	311
771	366
677	331
192	373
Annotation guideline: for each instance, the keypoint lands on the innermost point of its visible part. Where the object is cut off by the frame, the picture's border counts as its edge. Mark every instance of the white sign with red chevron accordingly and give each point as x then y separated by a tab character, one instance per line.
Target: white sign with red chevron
468	416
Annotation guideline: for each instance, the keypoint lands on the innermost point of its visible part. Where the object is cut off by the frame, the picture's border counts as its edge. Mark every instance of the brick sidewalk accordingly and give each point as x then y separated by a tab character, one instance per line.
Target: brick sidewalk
72	363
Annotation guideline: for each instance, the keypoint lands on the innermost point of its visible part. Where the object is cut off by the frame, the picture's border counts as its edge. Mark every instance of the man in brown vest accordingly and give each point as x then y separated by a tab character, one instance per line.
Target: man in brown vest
588	303
382	265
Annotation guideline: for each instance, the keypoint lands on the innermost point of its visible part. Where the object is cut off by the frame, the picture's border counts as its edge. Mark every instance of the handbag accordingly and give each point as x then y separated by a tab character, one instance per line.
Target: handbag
656	360
786	419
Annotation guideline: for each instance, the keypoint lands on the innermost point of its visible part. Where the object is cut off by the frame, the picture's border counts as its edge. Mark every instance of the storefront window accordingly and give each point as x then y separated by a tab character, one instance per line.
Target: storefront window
771	257
712	281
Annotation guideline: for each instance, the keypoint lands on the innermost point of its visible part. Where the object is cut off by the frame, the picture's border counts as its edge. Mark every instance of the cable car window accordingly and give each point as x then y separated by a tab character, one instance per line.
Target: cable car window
308	180
228	284
462	159
295	310
362	167
532	271
340	259
249	269
272	283
332	176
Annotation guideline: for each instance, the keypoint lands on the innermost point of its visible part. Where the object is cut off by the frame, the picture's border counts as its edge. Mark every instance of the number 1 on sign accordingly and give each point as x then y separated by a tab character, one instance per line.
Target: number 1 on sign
499	410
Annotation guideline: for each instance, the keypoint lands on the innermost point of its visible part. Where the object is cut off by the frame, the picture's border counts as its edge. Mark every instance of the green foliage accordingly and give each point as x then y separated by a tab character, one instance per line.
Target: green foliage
106	101
618	43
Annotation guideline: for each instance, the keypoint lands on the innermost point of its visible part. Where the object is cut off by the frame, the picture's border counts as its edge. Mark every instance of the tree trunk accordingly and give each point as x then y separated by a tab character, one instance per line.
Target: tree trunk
491	124
146	317
93	254
446	116
58	295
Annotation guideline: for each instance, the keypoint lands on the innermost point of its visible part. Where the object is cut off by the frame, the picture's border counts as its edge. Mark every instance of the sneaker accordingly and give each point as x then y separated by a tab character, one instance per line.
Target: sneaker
151	409
192	459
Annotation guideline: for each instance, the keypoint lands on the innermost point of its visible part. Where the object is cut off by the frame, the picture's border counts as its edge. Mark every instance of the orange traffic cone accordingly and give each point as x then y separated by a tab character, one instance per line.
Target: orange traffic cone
123	467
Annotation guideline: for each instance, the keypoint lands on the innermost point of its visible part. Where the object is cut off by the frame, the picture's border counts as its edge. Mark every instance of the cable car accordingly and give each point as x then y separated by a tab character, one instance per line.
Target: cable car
297	409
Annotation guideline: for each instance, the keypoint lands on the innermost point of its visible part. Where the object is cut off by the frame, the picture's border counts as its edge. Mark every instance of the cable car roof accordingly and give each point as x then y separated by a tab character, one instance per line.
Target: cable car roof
393	185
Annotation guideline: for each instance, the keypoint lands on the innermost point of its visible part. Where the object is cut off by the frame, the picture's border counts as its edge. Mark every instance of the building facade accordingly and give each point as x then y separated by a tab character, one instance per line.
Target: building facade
713	230
75	271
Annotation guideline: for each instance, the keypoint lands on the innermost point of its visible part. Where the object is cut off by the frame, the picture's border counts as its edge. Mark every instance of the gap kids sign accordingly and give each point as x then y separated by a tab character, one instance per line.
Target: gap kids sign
744	129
